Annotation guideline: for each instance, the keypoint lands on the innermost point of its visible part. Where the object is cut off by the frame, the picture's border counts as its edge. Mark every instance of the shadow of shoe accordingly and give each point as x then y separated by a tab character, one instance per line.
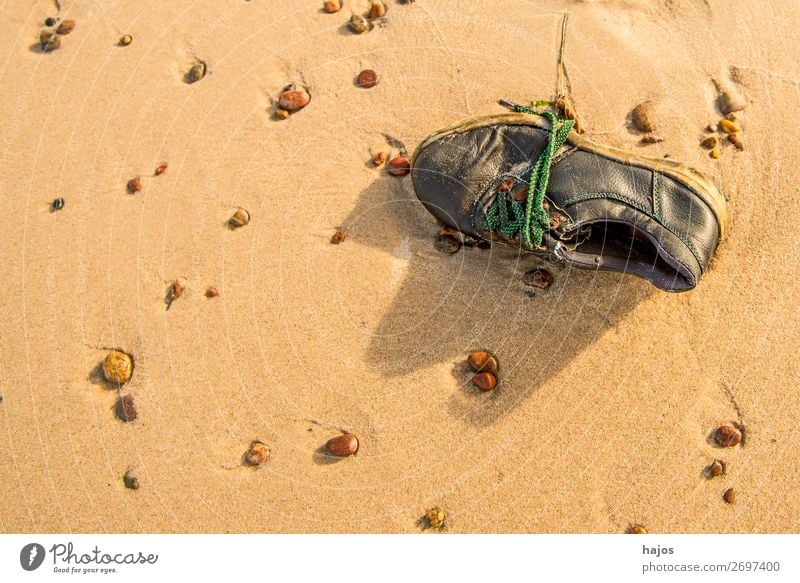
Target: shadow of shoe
446	306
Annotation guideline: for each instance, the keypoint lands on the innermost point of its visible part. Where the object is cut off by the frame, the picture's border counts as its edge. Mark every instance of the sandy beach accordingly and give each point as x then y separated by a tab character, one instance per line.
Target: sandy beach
610	388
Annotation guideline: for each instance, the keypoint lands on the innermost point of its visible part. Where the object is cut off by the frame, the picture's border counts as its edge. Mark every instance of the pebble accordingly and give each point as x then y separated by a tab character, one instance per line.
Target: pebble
727	436
377	9
339	236
50	21
399	166
49	41
332	6
483	361
729	496
126	408
367	78
447	244
175	291
709	143
435	517
131	480
359	24
506	184
637	529
651	139
212	292
281	113
117	367
378	158
485	381
294	99
134	185
58	204
716	469
66	27
256	454
538	278
643	118
731	100
736	141
343	445
160	169
125	40
714	153
728	126
197	72
239	219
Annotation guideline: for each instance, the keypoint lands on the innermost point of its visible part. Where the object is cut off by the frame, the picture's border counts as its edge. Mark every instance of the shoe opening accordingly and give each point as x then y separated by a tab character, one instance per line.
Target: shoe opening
620	246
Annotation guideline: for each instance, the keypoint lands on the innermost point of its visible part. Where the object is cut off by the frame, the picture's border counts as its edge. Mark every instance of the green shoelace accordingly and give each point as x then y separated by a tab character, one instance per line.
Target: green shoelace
530	220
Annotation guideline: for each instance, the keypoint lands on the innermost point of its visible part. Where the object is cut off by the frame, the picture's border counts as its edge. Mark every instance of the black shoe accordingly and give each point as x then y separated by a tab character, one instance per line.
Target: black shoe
600	207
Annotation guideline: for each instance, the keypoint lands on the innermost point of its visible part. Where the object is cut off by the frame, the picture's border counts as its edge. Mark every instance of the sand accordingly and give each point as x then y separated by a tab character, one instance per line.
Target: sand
610	388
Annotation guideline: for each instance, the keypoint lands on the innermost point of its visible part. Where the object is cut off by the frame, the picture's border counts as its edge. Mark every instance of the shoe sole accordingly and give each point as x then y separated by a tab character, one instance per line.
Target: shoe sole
693	179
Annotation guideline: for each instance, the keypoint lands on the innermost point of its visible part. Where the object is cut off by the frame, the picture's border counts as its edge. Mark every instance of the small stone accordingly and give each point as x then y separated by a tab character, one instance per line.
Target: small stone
506	184
175	291
332	6
281	113
447	244
212	292
160	169
126	409
643	117
359	24
651	139
342	446
239	219
294	99
538	278
727	436
637	529
714	153
399	166
117	367
66	27
520	194
485	381
197	72
716	469
131	480
483	361
736	141
256	454
731	100
58	204
125	40
729	496
367	78
377	10
134	185
709	143
435	517
731	117
710	128
49	41
378	158
50	21
728	126
339	236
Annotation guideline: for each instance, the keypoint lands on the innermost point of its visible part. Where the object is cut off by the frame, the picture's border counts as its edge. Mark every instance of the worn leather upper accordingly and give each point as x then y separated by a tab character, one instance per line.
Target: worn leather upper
619	216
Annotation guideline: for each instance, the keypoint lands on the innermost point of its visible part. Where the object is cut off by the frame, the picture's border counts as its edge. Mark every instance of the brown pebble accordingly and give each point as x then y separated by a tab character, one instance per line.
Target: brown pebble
377	9
332	6
643	117
359	24
197	72
367	78
731	117
483	361
435	517
126	408
729	496
378	158
651	139
736	141
66	27
727	436
342	446
134	185
256	454
485	381
709	143
447	244
716	469
117	367
521	193
125	40
49	41
538	278
637	529
294	99
506	184
131	480
339	236
239	219
160	169
281	113
399	166
212	292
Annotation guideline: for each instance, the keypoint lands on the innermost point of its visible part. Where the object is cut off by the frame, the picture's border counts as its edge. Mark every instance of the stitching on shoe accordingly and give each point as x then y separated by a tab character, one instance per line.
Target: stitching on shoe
636	205
656	196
